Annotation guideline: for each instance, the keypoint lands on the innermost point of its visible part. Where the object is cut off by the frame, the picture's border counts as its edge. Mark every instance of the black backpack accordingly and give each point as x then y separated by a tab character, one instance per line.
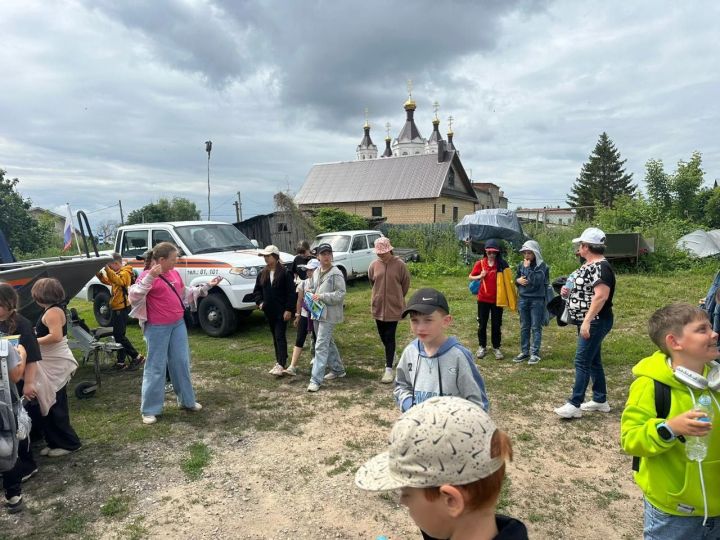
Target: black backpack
663	399
8	423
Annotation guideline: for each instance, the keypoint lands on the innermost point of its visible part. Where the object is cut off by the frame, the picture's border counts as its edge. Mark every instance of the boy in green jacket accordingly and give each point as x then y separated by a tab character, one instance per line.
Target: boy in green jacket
682	497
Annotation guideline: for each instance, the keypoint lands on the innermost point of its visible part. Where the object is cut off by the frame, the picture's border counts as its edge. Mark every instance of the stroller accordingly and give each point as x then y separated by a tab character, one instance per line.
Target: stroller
97	345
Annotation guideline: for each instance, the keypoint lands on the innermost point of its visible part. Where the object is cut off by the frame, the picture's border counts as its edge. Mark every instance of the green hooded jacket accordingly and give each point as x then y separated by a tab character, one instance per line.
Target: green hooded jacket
670	482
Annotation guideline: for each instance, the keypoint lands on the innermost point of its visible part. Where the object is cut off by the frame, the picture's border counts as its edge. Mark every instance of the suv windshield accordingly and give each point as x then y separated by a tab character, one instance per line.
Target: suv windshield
206	238
339	242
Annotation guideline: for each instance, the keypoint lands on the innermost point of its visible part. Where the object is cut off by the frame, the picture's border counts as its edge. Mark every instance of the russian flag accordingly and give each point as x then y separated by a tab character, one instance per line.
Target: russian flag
67	231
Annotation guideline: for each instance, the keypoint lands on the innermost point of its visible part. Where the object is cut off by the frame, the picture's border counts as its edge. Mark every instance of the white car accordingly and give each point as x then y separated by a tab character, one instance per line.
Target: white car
206	249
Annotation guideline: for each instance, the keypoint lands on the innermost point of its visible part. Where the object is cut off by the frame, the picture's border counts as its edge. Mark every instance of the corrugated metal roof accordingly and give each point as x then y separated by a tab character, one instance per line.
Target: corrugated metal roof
392	178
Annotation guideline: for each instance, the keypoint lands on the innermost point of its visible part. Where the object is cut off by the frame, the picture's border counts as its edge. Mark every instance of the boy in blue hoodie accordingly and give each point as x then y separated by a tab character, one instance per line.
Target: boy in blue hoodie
434	364
532	277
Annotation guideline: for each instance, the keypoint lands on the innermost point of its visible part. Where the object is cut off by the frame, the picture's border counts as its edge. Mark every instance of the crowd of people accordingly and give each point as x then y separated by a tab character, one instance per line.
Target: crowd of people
437	384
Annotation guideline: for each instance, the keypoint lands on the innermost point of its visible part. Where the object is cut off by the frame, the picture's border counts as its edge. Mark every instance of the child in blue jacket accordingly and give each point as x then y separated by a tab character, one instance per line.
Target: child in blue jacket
532	277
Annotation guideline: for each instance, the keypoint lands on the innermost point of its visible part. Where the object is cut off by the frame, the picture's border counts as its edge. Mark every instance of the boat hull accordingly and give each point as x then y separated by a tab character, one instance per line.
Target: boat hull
73	274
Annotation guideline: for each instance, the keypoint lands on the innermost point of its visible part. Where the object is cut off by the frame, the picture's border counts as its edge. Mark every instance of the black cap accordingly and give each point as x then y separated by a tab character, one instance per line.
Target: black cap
323	247
427	301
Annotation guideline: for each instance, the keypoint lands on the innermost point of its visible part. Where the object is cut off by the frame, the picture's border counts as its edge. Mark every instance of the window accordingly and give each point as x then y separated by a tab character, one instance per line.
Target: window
376	211
443	208
161	236
451	177
134	243
282	227
455	213
371	239
404	153
359	243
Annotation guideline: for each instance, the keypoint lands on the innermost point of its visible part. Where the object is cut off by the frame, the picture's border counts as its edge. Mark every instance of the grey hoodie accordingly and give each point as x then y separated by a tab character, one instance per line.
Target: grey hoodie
450	372
330	287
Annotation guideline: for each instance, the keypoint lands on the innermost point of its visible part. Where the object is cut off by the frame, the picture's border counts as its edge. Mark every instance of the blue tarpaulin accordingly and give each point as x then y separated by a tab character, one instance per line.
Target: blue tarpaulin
498	223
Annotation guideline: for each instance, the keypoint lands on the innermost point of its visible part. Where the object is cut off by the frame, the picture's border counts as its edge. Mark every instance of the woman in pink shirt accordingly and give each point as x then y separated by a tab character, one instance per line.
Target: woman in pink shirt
159	297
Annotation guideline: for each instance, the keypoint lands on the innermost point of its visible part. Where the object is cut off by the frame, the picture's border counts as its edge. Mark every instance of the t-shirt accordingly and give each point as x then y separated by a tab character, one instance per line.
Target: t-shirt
24	329
587	278
488	285
163	305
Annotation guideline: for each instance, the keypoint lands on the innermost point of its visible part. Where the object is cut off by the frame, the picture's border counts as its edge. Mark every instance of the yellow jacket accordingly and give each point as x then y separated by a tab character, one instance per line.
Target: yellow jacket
119	282
506	291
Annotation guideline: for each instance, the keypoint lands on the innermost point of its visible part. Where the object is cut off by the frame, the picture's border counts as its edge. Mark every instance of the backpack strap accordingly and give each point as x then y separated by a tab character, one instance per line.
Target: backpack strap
662	409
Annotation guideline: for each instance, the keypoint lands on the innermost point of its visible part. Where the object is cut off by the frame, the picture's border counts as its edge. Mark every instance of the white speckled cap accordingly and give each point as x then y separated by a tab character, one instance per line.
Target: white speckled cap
444	440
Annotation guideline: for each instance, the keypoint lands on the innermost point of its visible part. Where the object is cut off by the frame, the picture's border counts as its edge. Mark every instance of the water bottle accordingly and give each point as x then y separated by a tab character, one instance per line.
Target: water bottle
570	282
696	447
382	537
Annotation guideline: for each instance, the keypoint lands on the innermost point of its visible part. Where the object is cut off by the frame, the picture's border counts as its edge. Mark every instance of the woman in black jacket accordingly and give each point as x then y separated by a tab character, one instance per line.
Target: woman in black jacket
275	295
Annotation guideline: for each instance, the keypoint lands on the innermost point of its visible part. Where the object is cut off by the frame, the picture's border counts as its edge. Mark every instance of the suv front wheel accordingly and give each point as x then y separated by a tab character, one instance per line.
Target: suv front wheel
217	316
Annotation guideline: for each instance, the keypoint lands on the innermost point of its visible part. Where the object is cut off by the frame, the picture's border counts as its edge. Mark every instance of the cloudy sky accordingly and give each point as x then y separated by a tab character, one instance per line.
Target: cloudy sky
113	99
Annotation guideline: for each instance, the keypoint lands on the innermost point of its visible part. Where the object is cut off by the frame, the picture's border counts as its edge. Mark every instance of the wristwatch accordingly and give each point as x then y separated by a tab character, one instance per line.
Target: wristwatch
666	434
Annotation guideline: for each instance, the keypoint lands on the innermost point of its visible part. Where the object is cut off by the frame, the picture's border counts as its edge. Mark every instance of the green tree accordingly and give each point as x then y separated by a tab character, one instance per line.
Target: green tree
712	209
179	209
23	232
602	179
686	183
658	184
332	219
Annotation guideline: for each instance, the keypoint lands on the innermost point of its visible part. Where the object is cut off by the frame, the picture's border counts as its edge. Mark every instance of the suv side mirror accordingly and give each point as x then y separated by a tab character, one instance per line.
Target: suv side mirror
255	243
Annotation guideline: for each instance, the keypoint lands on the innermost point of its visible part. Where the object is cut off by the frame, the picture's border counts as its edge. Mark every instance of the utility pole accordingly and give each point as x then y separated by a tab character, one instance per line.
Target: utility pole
208	149
122	219
239	207
237	212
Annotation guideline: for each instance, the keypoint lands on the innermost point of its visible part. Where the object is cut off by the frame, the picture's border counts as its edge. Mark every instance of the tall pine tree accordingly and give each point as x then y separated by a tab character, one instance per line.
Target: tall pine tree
602	179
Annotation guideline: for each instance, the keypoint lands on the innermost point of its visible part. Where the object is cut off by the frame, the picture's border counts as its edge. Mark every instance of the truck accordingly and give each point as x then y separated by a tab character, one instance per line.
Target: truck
353	251
205	249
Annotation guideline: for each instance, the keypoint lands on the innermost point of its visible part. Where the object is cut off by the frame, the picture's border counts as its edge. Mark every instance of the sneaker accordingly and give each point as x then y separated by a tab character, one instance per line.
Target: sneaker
387	376
28	475
292	370
594	406
194	408
14	504
332	375
277	370
534	359
138	361
521	357
149	419
481	352
569	411
44	451
169	388
498	354
313	387
119	366
58	452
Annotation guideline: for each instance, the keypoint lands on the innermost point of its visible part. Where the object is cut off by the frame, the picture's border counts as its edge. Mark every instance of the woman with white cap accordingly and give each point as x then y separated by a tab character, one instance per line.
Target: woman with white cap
589	305
390	283
275	295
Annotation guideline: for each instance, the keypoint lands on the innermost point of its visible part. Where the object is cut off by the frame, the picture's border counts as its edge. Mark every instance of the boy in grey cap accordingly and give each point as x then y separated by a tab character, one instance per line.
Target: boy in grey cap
434	364
447	458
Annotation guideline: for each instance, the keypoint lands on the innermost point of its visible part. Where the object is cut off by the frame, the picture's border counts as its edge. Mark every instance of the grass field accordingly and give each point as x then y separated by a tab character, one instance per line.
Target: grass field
562	471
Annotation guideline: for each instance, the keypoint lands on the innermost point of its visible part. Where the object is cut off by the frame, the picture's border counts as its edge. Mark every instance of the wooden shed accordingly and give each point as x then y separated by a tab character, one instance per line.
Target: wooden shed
279	228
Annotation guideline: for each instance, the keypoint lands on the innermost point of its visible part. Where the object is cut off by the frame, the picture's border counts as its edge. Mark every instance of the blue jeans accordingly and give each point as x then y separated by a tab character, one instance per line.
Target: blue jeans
326	352
588	363
168	349
662	526
532	311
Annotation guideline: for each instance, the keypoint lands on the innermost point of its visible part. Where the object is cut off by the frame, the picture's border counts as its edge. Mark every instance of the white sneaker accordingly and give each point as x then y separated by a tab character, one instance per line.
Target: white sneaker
569	411
291	370
277	370
58	452
498	354
594	406
45	451
313	387
149	419
387	376
332	375
534	359
195	408
481	352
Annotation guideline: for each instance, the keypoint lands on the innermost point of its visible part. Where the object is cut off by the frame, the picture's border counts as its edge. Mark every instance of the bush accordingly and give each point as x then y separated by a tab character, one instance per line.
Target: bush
332	219
436	243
